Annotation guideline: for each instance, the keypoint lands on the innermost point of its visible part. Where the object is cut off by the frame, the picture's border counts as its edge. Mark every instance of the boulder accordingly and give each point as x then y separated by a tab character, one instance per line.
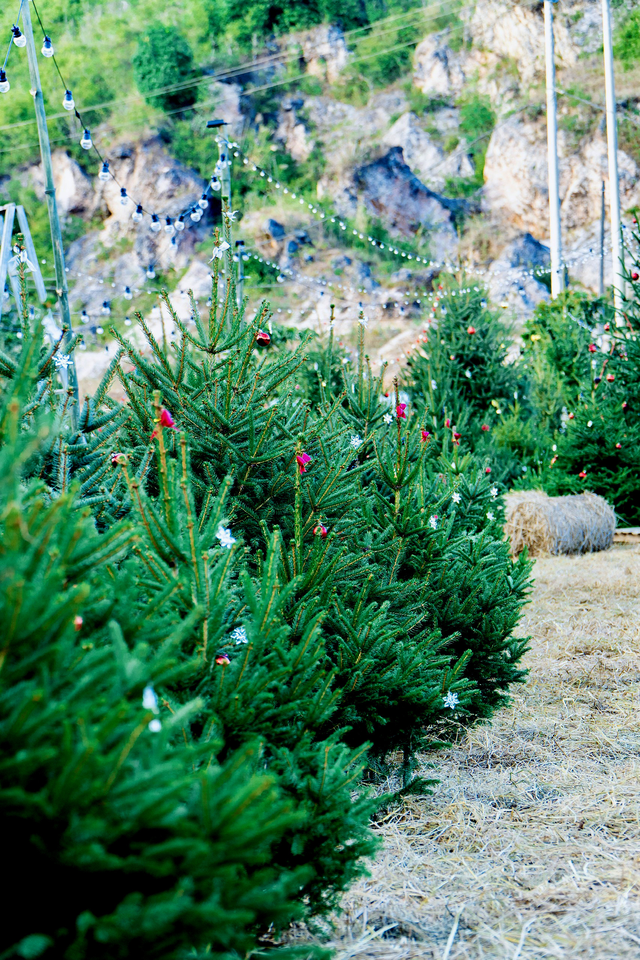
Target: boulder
74	189
292	132
509	281
393	193
423	155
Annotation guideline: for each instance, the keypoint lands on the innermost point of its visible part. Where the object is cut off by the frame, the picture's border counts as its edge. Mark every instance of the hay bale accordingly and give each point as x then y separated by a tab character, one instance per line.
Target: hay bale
546	525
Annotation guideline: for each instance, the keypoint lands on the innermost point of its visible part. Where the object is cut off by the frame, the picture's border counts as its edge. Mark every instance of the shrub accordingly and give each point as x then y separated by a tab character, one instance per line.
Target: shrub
164	59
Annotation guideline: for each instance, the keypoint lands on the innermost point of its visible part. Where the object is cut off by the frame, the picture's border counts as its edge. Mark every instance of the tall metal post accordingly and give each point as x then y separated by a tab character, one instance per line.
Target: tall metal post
240	280
612	150
557	268
601	283
62	290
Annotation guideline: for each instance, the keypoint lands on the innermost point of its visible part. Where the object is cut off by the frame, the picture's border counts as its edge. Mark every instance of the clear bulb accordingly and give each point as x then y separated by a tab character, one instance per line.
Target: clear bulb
155	224
179	224
169	227
196	215
127	320
137	215
18	37
215	183
5	86
84	317
99	330
124	199
86	142
68	102
104	173
106	308
151	274
47	48
203	203
127	293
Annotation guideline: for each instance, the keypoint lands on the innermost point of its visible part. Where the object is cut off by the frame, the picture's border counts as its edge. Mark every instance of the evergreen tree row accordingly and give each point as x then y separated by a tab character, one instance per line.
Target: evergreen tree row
231	604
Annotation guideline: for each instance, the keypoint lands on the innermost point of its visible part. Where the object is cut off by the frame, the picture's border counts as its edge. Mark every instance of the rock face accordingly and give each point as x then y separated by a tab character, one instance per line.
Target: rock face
75	192
392	192
516	179
325	52
292	131
508	280
423	155
438	71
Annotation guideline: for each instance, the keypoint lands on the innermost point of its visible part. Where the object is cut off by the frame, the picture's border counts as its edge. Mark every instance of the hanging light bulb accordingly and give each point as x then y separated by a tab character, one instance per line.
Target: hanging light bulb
127	320
84	317
179	224
86	142
18	37
5	86
214	183
104	173
127	293
203	203
169	227
99	330
47	48
155	223
151	274
68	102
124	199
137	214
196	214
106	308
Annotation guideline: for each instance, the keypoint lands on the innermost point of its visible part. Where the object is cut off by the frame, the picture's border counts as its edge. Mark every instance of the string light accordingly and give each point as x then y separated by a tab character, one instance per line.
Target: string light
18	37
203	202
127	293
151	274
47	47
104	174
5	86
86	143
154	226
169	227
179	224
124	199
68	102
137	214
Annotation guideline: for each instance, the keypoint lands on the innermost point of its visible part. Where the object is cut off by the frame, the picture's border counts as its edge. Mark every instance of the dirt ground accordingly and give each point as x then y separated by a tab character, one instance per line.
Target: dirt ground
530	846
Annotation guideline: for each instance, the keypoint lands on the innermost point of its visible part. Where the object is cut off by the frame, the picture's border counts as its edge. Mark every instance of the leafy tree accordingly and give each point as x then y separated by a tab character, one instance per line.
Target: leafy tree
164	59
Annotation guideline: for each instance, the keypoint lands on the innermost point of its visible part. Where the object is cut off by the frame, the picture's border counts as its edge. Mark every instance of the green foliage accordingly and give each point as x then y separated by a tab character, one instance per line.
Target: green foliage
626	47
477	120
164	59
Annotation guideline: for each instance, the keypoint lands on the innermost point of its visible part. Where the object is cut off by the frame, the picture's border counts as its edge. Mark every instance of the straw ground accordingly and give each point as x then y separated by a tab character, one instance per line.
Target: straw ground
530	846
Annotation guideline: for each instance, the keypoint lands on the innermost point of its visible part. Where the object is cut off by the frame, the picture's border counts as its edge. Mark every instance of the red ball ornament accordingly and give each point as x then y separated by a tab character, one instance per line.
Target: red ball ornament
487	469
635	276
424	435
571	416
485	427
222	659
618	446
263	337
611	377
607	326
77	623
471	329
447	422
582	474
592	348
321	531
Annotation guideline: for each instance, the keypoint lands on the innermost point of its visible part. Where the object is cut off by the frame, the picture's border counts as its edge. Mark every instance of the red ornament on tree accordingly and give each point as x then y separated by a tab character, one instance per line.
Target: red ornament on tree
618	446
611	377
485	427
635	276
166	420
471	329
571	416
263	337
447	422
222	659
424	435
582	474
487	469
400	411
303	459
77	623
592	348
607	326
321	531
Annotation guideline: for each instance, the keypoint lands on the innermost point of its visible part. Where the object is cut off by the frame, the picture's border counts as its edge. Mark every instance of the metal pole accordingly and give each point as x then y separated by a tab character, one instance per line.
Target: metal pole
612	150
557	268
50	193
240	280
601	284
225	169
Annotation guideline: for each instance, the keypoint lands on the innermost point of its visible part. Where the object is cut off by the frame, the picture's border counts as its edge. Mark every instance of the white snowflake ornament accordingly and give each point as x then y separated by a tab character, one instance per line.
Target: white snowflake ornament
225	537
451	700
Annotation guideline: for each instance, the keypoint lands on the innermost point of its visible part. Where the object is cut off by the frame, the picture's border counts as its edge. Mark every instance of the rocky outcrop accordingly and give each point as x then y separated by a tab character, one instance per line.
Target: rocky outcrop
516	178
509	279
424	155
75	193
292	131
438	71
390	190
325	52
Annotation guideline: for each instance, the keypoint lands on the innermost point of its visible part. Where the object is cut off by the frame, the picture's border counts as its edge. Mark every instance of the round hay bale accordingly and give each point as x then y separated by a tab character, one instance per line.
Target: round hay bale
581	523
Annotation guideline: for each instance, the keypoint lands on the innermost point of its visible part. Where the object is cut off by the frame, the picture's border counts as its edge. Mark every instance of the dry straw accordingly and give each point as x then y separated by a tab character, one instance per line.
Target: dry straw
582	523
